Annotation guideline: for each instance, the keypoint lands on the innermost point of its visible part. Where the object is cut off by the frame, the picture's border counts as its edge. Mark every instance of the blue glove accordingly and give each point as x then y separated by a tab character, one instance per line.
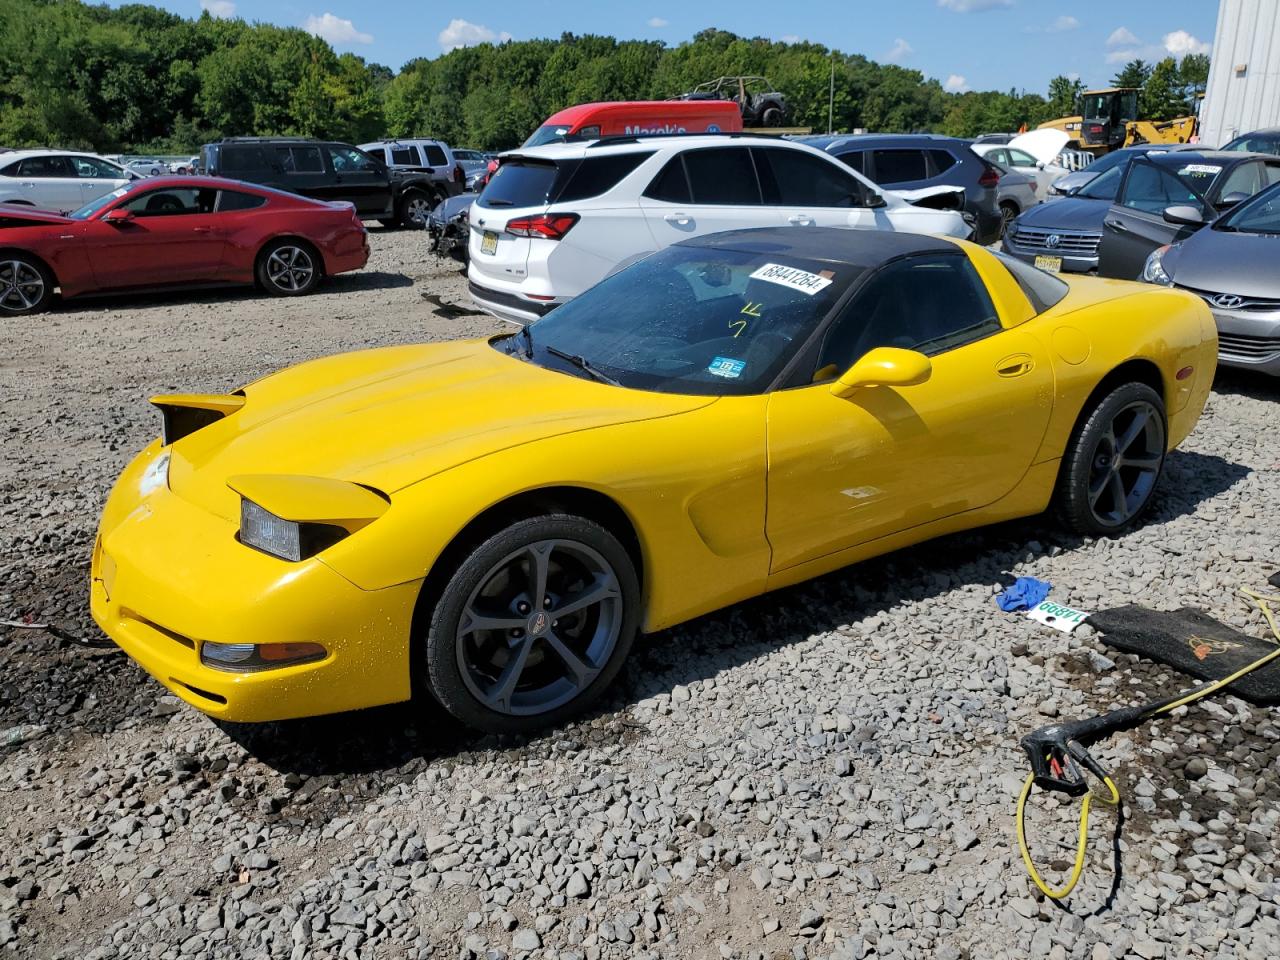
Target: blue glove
1026	592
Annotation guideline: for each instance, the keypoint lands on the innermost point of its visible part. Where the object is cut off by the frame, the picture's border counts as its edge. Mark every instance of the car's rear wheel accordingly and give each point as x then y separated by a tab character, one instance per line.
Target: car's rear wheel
415	207
288	268
1114	462
25	285
534	625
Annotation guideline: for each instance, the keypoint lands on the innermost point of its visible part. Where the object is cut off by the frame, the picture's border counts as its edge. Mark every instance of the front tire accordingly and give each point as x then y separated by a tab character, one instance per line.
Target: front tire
288	268
25	285
534	625
414	208
1114	462
1008	213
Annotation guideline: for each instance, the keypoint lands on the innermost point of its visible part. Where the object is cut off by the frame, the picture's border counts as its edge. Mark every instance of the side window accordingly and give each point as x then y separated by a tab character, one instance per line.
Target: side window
930	303
1246	179
670	184
998	156
244	159
1270	173
435	155
943	160
1020	159
1103	186
806	181
588	133
854	160
345	159
229	200
404	157
597	175
722	176
47	167
899	166
91	168
1150	189
173	202
11	170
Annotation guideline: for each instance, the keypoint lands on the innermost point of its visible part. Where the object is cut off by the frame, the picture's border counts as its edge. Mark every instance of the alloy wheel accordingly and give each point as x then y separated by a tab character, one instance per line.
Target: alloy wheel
540	627
290	268
21	286
1126	463
418	209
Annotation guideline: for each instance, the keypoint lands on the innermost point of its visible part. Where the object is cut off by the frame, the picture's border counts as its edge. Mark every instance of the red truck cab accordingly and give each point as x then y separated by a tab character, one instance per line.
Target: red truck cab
589	121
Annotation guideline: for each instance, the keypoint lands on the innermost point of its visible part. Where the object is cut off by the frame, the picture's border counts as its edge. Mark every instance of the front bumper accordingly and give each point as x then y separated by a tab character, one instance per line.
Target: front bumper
1249	338
167	576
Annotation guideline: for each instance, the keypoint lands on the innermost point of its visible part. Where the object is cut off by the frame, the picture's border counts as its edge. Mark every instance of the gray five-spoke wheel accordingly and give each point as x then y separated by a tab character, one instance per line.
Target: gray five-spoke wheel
290	268
540	627
21	286
417	209
1126	462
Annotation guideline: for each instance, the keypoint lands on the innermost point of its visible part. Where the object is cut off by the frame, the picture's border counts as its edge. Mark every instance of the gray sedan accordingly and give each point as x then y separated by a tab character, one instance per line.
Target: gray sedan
1232	265
1014	193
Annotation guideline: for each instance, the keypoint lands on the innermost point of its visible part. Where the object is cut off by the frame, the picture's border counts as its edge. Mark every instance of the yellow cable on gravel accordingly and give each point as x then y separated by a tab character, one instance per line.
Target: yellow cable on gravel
1263	603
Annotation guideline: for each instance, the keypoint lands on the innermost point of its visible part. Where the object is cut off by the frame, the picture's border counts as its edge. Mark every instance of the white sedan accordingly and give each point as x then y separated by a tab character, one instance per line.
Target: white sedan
1034	153
57	179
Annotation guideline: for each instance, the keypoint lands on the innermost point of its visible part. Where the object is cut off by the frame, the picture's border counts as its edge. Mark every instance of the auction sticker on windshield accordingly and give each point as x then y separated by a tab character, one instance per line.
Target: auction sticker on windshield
727	367
793	277
489	242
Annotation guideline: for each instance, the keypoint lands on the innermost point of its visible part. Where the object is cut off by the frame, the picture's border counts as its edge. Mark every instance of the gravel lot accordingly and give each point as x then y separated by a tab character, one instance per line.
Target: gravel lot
828	772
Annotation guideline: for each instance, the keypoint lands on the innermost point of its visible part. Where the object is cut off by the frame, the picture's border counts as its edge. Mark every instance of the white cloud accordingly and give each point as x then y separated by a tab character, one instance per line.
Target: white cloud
956	84
973	6
1073	76
1063	24
657	23
222	9
337	31
1180	43
460	33
899	51
790	38
1122	37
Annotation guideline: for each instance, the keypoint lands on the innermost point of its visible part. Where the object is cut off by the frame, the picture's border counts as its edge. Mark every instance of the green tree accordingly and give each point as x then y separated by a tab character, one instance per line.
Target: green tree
1064	97
1134	74
1162	97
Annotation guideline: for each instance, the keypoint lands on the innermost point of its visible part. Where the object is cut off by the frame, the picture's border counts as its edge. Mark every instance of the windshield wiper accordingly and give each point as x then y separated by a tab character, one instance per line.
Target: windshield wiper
582	363
528	342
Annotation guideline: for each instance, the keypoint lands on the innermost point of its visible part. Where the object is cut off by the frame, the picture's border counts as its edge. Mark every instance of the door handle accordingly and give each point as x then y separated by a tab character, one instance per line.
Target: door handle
800	219
1015	366
680	218
1115	225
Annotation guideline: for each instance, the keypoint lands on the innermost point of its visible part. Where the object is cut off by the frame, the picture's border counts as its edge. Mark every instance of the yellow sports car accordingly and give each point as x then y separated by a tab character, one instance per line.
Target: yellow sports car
493	521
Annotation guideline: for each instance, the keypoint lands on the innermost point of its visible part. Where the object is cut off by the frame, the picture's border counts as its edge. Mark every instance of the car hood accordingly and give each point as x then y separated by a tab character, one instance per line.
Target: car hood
1218	261
389	417
21	211
1067	213
1044	145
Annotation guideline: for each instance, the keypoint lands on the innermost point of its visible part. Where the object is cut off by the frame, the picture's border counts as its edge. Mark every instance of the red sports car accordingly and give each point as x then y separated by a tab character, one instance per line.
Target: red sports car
174	231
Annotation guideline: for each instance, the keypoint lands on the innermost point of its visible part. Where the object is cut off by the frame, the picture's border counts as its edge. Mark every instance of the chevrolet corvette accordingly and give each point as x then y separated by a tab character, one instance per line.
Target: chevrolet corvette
492	522
172	232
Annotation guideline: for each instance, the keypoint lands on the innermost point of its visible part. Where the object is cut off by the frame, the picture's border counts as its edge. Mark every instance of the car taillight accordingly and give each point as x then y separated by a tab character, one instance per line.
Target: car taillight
552	226
990	177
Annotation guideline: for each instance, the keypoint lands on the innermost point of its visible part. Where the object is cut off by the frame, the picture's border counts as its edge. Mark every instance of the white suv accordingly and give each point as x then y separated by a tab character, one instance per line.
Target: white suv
557	219
433	156
58	180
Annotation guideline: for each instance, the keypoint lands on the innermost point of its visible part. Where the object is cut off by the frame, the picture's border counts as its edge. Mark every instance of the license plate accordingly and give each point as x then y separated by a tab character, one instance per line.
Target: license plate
489	242
1052	264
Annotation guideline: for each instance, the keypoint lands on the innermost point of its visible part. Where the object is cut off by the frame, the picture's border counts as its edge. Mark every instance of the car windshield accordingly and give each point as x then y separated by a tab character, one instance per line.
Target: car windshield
93	206
1259	214
1255	143
551	133
693	320
1103	187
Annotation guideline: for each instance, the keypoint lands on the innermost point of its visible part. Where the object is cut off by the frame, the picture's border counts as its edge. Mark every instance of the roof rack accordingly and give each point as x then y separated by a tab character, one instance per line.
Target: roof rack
274	140
616	139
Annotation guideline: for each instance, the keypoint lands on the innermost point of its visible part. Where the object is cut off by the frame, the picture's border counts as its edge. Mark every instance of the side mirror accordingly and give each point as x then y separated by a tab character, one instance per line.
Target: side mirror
1183	215
1231	199
874	200
884	367
118	215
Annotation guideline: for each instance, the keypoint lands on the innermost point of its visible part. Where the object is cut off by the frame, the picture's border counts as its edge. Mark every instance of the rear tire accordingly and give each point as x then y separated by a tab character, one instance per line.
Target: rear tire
414	208
503	659
289	268
1114	462
771	117
26	286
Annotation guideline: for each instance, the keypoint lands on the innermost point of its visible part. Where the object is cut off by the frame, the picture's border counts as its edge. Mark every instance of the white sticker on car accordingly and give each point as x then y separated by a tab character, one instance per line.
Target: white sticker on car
801	280
1199	168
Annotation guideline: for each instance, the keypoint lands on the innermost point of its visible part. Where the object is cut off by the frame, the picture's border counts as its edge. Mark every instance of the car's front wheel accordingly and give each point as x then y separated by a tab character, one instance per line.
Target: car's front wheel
1008	213
415	207
25	285
1114	462
288	268
534	624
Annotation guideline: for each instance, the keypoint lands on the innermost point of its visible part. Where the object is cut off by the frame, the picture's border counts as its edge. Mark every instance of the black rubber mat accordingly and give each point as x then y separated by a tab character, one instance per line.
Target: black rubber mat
1193	643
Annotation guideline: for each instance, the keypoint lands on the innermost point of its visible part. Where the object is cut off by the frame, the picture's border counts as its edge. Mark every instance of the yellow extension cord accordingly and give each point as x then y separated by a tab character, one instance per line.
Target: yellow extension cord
1261	601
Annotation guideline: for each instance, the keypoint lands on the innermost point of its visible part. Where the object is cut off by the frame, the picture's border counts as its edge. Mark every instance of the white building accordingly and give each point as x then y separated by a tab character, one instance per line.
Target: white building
1244	77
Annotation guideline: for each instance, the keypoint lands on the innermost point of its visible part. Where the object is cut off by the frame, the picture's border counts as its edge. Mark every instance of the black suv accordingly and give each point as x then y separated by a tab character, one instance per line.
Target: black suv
910	161
328	170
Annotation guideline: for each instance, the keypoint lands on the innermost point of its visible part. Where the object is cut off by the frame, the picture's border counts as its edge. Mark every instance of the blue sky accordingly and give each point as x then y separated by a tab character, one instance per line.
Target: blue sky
965	44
